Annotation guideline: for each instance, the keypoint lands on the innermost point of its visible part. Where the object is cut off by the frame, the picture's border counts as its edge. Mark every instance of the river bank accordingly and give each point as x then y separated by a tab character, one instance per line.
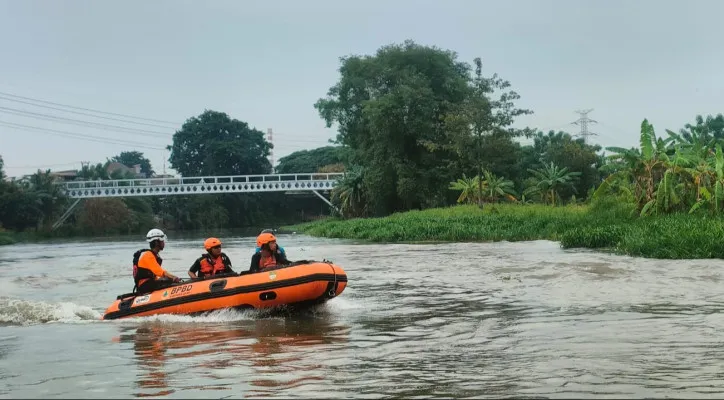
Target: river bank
608	226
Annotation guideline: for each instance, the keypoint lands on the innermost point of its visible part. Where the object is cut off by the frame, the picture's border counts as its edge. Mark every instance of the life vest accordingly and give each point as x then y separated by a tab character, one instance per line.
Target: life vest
211	267
268	262
141	274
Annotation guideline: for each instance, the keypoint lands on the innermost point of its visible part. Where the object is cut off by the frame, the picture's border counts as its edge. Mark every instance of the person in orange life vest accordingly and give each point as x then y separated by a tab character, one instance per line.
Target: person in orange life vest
269	255
213	262
148	275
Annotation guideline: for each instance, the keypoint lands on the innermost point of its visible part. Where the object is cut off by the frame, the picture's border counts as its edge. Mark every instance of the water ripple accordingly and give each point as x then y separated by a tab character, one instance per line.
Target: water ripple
523	320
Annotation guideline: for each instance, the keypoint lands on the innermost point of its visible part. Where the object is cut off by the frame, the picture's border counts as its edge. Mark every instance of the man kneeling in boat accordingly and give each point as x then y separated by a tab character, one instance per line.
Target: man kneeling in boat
148	275
269	254
213	262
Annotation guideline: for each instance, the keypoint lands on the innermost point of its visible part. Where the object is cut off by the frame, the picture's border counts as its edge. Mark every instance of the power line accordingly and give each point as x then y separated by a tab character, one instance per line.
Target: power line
48	117
583	122
3	97
79	136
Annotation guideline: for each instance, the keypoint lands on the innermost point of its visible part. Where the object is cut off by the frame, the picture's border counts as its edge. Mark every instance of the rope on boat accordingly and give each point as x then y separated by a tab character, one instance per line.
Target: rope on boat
332	292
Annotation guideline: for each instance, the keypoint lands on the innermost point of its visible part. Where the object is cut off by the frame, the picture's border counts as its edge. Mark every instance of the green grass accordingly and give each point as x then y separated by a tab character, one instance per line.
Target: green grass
6	238
609	225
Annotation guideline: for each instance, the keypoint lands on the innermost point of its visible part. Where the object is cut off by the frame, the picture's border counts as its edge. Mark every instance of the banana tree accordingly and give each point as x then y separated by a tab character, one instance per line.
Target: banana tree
496	188
468	188
713	194
644	167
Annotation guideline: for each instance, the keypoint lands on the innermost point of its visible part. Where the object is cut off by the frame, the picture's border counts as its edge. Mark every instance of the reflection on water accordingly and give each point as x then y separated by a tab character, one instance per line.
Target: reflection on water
270	352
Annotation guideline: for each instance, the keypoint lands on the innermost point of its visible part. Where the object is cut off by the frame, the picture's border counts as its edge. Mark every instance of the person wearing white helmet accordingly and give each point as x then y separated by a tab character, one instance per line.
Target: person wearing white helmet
148	275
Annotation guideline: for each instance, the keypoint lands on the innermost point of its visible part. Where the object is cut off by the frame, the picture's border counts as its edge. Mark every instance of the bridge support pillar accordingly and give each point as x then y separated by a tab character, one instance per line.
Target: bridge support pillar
324	199
65	215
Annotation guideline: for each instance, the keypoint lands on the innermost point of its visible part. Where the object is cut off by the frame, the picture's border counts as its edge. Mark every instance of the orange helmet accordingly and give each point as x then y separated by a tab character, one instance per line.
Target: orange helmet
211	242
264	238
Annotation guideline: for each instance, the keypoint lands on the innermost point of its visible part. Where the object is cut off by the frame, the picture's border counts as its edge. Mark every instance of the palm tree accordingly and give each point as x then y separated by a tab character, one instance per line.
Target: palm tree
549	180
350	193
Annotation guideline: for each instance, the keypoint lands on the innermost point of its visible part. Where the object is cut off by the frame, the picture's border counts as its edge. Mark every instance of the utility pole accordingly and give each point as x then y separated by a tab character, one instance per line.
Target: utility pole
583	122
271	152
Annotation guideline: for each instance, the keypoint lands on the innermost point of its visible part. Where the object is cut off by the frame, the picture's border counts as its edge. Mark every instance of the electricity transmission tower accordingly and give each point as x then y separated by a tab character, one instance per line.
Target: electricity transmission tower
583	122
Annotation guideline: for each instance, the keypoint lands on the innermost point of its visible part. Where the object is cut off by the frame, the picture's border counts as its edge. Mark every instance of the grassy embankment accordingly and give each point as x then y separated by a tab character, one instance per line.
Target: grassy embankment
6	238
607	226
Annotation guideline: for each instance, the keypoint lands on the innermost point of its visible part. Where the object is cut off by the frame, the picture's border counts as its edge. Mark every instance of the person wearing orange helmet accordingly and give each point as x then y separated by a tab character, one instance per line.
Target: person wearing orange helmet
258	246
269	254
213	262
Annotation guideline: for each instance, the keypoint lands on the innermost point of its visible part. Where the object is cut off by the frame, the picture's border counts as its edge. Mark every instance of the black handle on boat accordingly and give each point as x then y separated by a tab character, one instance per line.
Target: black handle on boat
208	278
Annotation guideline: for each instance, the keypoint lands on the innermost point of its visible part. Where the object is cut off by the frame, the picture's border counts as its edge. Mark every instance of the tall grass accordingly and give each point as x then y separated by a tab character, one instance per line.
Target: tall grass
6	238
609	225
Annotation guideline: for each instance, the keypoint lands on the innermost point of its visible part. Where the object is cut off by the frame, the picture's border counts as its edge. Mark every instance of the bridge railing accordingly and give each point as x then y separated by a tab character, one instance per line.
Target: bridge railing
197	180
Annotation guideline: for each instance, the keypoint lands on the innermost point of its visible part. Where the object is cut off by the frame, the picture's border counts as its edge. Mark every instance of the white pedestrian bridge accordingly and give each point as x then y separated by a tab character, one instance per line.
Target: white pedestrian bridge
291	183
201	185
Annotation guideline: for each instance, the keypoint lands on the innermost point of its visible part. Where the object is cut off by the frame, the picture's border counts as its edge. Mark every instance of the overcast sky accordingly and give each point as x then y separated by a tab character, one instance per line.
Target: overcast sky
267	62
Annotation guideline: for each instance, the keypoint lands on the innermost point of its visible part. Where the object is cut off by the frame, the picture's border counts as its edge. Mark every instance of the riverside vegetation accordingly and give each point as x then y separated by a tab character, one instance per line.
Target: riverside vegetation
606	225
664	200
429	154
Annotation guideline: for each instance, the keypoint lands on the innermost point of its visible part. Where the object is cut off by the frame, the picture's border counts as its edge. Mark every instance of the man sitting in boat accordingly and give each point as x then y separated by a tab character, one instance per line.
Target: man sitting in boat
213	262
258	246
148	275
268	255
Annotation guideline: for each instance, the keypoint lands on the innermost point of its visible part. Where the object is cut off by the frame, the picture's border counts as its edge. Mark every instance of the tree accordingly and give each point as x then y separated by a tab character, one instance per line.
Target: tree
2	168
549	180
467	188
709	128
406	115
214	144
49	197
490	116
350	193
561	149
131	158
19	208
92	173
104	215
308	161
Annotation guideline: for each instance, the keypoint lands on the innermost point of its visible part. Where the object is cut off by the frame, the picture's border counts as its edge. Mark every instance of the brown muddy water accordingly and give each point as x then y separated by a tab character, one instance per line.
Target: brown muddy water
486	320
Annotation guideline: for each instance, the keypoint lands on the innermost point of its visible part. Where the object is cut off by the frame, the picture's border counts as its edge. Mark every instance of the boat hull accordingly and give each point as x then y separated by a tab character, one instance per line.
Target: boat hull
306	282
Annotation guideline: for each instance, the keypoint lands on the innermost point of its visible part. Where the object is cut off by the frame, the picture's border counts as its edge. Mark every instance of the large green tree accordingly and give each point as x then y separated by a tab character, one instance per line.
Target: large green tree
131	158
392	110
308	161
215	144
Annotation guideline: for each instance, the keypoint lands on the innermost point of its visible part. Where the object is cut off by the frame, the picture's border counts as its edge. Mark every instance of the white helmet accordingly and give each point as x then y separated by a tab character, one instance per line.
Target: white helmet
155	234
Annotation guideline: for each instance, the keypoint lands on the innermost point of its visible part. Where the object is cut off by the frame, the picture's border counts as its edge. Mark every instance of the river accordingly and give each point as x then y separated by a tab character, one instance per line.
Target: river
485	320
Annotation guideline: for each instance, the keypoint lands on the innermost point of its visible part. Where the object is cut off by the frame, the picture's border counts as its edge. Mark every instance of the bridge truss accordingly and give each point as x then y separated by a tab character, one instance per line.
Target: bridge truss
290	183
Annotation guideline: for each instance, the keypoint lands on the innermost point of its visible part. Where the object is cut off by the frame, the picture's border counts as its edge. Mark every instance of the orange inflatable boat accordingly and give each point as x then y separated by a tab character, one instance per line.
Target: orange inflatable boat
300	283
